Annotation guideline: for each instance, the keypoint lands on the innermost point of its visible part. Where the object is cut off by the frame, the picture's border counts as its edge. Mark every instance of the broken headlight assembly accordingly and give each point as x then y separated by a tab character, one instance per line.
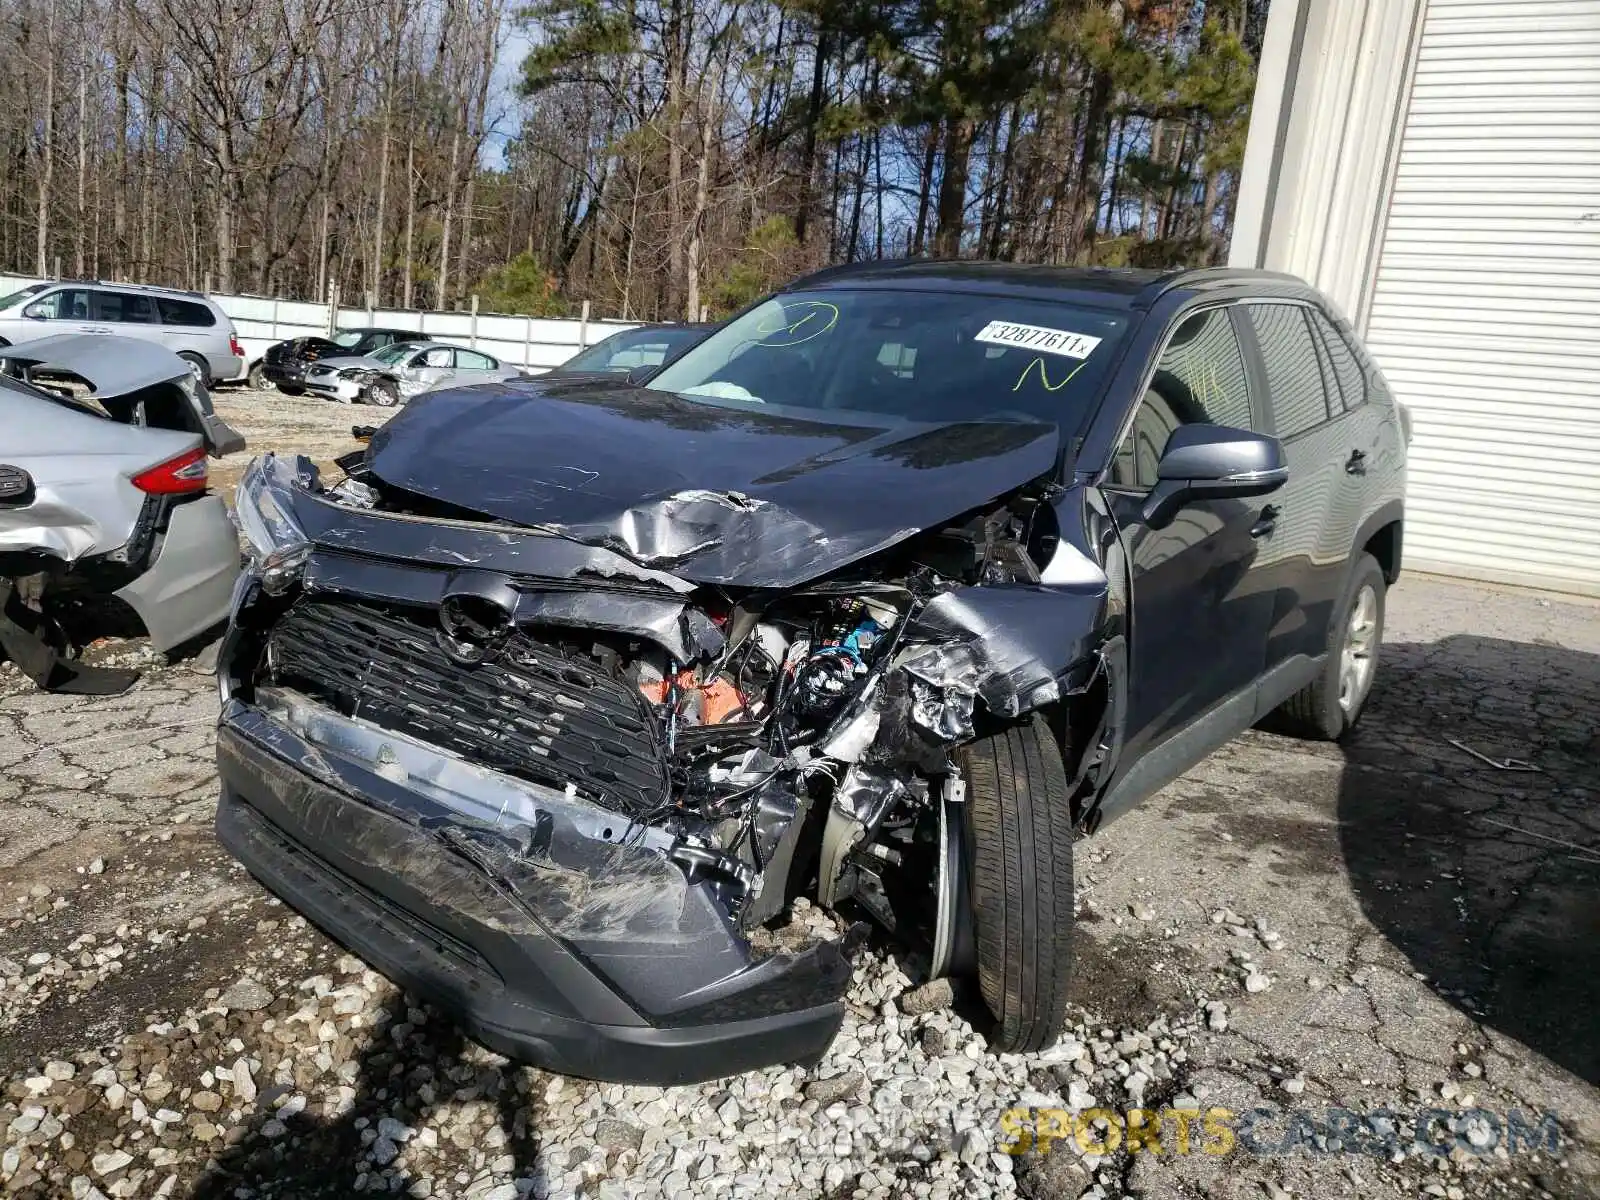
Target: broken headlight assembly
277	546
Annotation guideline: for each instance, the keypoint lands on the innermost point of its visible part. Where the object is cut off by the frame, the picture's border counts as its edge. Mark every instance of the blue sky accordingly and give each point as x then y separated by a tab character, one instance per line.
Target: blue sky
502	99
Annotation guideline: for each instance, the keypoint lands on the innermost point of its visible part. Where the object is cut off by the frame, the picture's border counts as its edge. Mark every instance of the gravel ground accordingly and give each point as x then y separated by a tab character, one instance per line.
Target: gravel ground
1392	924
319	429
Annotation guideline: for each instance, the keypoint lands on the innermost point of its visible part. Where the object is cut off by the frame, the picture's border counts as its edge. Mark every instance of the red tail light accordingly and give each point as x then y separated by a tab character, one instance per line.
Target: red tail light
233	346
175	477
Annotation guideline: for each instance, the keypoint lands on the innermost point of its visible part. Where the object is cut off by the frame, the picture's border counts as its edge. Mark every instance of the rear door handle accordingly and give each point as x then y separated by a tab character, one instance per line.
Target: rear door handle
1356	464
1267	523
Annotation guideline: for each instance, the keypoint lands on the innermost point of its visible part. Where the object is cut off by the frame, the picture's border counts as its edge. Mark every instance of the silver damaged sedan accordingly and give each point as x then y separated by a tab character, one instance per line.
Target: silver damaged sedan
107	522
397	373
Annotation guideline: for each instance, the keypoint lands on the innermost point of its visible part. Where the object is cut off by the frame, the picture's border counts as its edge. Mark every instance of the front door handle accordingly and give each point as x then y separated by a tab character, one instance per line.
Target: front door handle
1356	464
1267	522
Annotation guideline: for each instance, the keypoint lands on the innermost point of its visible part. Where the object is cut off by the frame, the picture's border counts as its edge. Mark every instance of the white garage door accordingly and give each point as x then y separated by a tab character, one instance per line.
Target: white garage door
1486	313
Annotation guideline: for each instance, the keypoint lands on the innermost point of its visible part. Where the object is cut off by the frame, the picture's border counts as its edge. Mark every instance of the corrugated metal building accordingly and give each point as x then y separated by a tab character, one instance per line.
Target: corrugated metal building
1434	166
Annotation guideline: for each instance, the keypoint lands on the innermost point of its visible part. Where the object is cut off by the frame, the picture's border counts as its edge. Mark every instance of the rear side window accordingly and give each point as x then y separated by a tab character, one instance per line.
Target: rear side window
1294	376
1199	380
1346	366
184	312
125	309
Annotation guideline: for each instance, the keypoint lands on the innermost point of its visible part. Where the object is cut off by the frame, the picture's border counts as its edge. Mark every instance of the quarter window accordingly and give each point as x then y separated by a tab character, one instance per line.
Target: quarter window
1199	380
1346	367
1294	376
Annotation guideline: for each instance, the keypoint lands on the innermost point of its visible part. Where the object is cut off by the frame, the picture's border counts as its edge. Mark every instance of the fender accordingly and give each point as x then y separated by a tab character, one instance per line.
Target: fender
1392	512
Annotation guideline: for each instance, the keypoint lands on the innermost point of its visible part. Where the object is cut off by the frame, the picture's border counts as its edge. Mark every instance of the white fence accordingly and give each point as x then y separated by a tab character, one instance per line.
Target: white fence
537	343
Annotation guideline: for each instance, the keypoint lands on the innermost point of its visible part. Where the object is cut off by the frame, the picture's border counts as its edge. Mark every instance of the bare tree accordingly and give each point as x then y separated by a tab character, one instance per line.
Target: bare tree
660	159
47	144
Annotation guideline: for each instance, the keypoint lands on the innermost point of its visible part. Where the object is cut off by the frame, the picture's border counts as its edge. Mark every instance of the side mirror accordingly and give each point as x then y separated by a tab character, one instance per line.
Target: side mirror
1213	462
34	314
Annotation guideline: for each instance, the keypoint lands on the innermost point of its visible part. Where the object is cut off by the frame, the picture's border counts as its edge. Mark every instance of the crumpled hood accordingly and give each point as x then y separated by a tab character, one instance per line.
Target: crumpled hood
715	492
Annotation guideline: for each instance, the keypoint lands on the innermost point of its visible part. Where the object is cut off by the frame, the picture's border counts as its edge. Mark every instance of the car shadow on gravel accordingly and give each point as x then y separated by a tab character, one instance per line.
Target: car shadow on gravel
1486	878
407	1072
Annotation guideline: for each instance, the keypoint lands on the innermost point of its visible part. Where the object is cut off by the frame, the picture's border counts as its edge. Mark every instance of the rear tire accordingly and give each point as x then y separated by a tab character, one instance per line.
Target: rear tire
199	368
1329	708
1019	833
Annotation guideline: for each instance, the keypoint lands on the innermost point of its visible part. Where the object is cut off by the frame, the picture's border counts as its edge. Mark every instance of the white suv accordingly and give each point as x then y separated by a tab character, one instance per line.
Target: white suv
187	323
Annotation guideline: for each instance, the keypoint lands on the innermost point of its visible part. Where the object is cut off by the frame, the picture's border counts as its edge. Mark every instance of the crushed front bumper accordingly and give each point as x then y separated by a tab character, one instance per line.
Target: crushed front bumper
554	934
284	371
345	391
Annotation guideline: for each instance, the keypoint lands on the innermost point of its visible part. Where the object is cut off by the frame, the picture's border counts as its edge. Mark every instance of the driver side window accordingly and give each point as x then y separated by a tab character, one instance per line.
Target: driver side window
63	305
1199	379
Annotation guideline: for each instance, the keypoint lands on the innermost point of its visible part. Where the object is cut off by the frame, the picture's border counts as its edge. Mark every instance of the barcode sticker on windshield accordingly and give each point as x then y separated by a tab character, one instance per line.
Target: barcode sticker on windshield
1039	338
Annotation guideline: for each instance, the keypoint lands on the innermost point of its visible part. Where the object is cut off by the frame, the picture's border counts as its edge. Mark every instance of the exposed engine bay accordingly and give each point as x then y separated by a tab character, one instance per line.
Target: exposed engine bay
777	742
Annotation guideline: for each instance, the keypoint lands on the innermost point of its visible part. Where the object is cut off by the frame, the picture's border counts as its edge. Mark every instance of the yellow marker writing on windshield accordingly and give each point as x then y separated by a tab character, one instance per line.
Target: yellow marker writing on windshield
795	332
1044	376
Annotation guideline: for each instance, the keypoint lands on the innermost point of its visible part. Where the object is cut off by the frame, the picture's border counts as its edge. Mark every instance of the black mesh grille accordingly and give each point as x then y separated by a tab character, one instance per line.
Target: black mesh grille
536	711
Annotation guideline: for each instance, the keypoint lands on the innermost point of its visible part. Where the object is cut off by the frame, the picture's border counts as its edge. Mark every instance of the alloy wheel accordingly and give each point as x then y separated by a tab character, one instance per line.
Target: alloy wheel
1358	659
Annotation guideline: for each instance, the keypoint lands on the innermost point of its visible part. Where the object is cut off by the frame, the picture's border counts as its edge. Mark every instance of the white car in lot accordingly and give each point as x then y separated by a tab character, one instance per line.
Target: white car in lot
187	323
405	369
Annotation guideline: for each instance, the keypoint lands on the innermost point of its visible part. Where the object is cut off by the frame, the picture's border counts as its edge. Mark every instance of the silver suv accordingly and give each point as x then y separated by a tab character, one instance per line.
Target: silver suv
186	323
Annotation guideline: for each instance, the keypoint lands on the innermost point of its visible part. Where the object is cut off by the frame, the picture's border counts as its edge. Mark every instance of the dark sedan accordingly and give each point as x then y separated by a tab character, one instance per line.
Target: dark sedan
284	364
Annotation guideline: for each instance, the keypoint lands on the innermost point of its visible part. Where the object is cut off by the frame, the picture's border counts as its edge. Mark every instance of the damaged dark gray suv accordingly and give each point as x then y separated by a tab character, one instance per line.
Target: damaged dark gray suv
883	594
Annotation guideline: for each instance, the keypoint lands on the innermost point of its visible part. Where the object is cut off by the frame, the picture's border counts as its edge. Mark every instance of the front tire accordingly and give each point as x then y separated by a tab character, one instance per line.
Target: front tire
1329	707
383	393
1019	834
258	379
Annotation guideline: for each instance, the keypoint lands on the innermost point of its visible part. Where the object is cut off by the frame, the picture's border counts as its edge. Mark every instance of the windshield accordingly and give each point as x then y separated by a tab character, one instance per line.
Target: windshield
918	356
394	353
33	289
632	348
